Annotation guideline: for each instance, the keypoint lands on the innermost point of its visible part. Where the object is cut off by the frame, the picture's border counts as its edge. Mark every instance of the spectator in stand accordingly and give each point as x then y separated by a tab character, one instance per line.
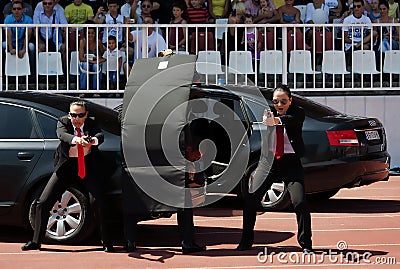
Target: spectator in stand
394	11
375	12
267	13
17	41
387	37
311	7
114	62
180	42
335	9
357	37
113	18
252	38
218	9
95	4
148	43
50	38
197	13
77	13
126	9
57	7
289	14
252	7
146	6
28	10
90	48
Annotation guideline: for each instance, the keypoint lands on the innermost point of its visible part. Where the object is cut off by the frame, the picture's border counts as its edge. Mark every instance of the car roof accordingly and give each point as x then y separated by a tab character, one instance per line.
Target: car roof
106	117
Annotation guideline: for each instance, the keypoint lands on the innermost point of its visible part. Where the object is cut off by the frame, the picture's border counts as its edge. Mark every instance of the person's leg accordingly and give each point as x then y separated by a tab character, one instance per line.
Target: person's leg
297	196
186	225
83	76
96	77
53	190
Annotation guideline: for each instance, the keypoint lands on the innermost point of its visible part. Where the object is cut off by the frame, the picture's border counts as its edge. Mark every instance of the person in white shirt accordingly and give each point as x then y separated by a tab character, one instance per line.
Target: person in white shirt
148	43
114	61
357	37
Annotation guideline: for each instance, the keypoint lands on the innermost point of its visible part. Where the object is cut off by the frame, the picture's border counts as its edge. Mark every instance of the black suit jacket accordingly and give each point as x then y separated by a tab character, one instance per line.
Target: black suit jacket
65	132
293	122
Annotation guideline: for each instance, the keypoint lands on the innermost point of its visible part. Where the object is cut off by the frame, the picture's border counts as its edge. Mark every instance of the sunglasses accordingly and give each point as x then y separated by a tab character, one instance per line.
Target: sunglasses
357	6
47	3
79	115
17	8
146	6
282	101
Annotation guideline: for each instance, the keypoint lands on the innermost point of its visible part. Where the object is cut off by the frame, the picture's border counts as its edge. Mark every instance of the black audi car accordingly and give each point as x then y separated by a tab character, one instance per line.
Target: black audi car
342	151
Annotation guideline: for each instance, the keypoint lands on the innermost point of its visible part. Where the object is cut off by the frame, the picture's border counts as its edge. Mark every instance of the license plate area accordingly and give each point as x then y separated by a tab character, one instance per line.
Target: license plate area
372	135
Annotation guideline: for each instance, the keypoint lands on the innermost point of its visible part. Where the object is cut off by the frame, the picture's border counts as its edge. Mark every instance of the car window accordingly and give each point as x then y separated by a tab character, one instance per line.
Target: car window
16	123
255	110
48	125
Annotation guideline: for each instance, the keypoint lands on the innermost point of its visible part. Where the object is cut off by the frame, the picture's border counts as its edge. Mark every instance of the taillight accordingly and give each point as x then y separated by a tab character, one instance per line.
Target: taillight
342	138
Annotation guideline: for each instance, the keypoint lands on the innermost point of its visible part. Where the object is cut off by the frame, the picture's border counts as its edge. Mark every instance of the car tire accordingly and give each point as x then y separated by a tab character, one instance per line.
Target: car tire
276	198
73	217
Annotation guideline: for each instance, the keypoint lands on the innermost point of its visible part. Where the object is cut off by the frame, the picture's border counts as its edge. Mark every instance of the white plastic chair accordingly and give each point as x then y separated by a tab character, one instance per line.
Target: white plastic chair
334	62
364	62
392	62
16	66
221	30
209	62
271	62
240	62
74	63
50	63
300	62
303	11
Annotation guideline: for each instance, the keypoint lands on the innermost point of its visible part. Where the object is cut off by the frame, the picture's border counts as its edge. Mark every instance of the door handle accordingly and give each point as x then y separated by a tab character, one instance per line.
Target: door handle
25	156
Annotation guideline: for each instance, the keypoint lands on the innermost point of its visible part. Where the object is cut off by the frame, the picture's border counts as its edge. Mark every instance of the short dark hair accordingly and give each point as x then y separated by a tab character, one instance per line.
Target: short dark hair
111	37
79	103
283	88
359	1
18	3
112	2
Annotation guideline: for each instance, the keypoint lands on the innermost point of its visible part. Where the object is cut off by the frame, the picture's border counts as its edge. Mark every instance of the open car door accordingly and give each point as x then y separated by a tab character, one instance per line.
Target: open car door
153	116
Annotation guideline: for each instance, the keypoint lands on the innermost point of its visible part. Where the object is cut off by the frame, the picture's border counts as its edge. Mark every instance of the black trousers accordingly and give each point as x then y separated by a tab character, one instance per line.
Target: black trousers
289	169
64	177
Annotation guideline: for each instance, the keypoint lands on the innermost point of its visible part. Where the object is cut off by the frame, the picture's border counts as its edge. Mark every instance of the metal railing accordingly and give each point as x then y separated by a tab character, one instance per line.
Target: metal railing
263	54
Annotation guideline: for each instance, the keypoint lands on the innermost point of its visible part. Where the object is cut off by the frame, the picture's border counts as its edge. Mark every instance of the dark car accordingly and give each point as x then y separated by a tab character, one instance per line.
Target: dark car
341	150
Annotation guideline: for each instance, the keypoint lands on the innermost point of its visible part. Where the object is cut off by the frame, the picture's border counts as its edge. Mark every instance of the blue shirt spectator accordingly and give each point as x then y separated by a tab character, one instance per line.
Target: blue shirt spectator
50	16
17	37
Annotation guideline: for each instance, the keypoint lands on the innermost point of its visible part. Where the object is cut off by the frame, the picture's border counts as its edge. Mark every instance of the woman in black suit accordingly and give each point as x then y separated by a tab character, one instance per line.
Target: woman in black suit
286	165
79	136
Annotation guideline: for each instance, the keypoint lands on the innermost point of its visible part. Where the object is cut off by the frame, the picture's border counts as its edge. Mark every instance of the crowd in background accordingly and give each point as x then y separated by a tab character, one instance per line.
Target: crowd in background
93	53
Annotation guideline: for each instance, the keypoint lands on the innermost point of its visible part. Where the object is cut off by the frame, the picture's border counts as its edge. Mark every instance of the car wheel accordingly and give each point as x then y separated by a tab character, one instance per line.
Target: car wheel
70	219
276	198
322	195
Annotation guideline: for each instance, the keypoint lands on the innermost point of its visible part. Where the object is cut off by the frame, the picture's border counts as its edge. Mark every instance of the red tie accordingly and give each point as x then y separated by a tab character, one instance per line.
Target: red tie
81	158
279	141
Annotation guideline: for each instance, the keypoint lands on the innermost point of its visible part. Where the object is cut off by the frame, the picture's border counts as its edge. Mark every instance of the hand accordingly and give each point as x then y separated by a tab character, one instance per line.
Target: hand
13	51
269	120
21	53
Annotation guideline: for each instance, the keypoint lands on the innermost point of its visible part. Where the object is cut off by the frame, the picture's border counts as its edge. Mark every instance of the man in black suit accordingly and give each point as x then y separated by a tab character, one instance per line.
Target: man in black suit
289	148
77	161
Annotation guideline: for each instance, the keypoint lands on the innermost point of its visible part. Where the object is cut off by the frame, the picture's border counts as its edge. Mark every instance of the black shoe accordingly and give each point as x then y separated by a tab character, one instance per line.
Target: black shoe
244	246
308	251
191	248
130	246
30	246
107	247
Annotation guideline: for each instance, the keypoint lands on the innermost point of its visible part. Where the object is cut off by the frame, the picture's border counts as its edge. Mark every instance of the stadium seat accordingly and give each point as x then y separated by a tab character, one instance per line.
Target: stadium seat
364	62
209	62
240	62
271	62
392	62
16	66
50	63
300	62
334	62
